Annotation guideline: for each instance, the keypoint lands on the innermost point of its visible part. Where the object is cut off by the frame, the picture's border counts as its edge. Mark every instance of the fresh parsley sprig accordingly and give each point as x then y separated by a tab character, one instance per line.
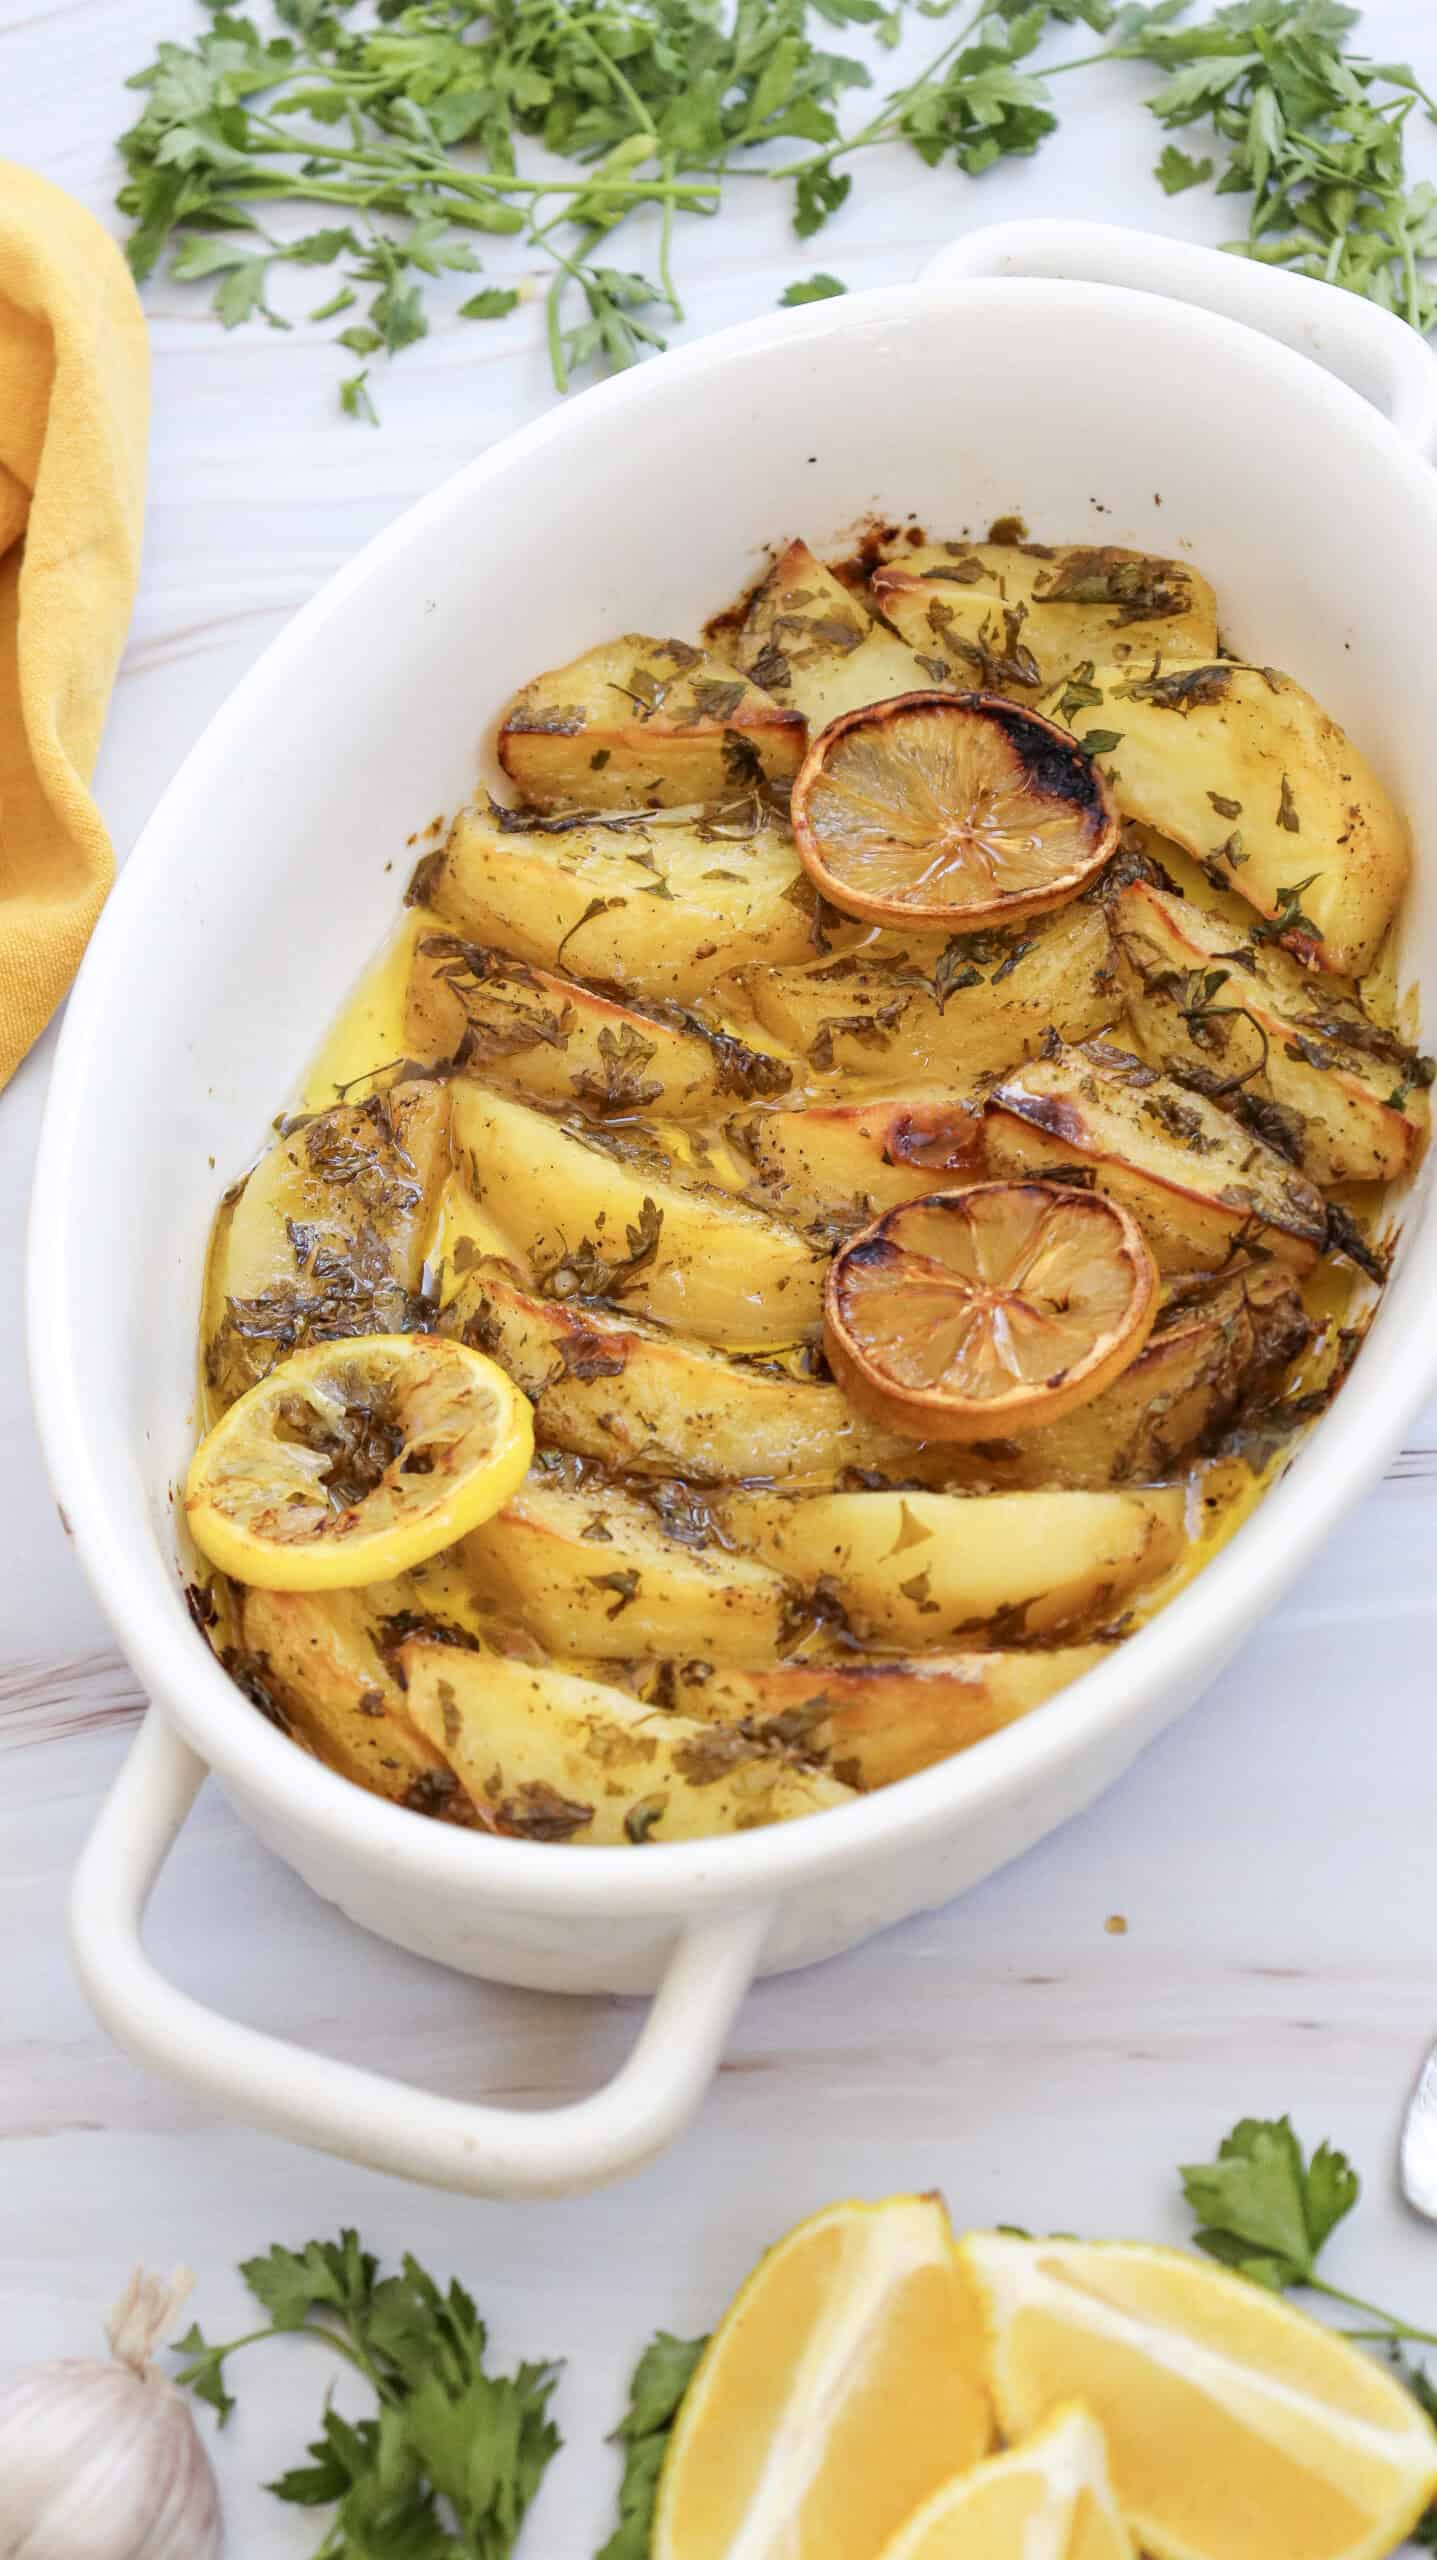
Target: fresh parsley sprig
656	2389
448	2467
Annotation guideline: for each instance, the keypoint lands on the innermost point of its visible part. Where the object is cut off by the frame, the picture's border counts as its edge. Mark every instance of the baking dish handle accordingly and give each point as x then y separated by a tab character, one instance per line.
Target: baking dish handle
1371	350
334	2106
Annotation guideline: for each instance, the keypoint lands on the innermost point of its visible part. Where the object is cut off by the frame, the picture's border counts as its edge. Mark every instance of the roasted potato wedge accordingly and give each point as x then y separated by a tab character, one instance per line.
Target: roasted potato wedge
860	1157
872	1722
1256	1029
321	1659
926	1568
1223	1340
546	1755
559	1041
591	1570
1019	618
660	905
327	1236
621	1224
816	648
1194	1180
639	1397
645	722
879	1022
1249	775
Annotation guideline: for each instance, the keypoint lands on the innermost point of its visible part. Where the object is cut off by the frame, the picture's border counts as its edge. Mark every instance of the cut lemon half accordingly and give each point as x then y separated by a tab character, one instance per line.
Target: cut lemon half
840	2391
1051	2499
1237	2429
971	1314
950	811
355	1460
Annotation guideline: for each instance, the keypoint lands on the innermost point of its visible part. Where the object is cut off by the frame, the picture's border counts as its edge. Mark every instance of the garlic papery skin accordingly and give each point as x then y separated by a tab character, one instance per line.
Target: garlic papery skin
102	2461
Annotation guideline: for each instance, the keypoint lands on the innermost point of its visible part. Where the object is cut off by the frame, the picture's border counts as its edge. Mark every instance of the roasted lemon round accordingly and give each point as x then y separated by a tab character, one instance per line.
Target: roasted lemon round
953	812
971	1314
355	1460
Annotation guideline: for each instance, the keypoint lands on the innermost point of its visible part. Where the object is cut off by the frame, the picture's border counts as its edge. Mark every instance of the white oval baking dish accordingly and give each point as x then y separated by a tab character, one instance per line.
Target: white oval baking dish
1111	387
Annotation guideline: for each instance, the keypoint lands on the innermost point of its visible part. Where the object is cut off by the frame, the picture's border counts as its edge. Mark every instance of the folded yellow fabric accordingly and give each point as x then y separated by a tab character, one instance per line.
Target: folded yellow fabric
74	407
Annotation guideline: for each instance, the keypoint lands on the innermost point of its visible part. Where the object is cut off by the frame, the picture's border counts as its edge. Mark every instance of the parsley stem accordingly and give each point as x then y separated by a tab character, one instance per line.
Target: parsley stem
1390	2328
666	234
615	77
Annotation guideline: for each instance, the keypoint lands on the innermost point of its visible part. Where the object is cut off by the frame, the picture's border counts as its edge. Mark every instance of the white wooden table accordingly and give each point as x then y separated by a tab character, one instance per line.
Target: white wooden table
1273	1857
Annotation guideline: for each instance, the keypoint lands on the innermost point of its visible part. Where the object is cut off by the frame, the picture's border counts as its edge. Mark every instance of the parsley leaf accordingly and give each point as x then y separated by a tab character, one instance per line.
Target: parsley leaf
656	2389
1263	2208
819	288
452	2459
1175	171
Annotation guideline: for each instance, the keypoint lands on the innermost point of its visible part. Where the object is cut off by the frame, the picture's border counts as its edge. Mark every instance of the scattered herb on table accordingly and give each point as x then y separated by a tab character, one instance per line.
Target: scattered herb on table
405	133
452	2459
660	2379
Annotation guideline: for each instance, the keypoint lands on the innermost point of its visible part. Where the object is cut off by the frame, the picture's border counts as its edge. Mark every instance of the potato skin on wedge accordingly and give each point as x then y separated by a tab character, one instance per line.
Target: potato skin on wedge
547	1755
1306	832
637	1396
561	1042
920	1015
926	1568
657	905
816	648
860	1156
1192	1178
317	1655
599	1223
590	1570
871	1722
1222	1340
641	721
1351	1101
326	1237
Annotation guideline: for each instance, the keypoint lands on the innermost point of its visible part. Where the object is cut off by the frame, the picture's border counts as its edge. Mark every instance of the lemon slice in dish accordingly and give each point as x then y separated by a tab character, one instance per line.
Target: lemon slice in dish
1051	2497
1237	2429
952	812
841	2389
355	1460
971	1314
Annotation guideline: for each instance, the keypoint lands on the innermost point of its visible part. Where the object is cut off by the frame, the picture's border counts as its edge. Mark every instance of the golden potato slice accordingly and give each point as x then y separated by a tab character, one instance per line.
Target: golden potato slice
545	1755
639	721
942	1015
872	1722
616	1388
1256	1030
1192	1178
860	1157
560	1041
613	1221
1019	618
814	647
327	1236
323	1659
925	1568
589	1570
660	905
1223	1341
1249	775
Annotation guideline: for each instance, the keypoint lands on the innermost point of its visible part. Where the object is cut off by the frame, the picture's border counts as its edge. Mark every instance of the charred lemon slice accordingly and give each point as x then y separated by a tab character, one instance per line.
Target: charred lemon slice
950	811
972	1314
356	1460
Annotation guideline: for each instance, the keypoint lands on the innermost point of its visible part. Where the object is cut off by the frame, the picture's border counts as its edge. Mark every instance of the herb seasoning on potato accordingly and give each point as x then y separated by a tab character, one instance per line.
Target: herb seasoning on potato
859	1159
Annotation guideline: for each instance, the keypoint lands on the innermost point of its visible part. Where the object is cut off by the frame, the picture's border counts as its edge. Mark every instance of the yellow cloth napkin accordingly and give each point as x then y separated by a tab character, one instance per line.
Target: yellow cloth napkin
74	407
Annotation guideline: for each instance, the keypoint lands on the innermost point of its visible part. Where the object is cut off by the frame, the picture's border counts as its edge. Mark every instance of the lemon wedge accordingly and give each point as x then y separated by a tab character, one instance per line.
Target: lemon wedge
1237	2429
1050	2499
840	2391
355	1460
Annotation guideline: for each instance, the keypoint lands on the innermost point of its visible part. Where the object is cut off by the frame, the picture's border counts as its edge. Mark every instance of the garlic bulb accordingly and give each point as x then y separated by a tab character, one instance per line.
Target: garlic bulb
102	2461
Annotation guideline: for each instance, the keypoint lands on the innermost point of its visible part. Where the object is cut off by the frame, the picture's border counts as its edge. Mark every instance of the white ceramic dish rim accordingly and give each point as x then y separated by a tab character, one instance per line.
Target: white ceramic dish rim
712	1902
1359	1436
